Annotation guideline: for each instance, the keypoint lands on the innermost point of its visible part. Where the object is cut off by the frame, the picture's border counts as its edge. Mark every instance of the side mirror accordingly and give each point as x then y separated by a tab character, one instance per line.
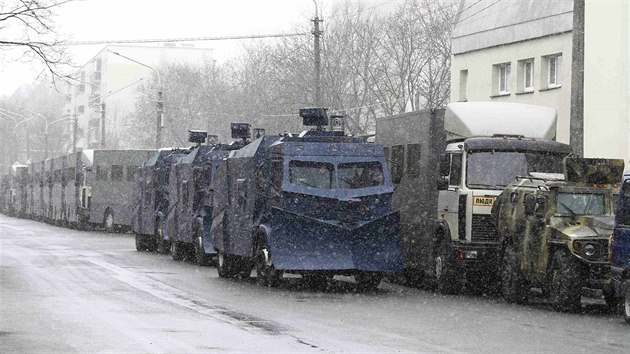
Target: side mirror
442	183
530	204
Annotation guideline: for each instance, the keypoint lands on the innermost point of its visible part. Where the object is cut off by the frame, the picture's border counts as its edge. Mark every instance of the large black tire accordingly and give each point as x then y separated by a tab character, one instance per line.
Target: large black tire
448	277
566	282
140	245
368	281
319	281
178	250
144	243
514	286
611	298
266	273
201	257
162	246
625	301
108	221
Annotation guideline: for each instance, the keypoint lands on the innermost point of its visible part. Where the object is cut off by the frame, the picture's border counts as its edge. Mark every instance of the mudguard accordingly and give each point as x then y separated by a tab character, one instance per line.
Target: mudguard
205	223
298	242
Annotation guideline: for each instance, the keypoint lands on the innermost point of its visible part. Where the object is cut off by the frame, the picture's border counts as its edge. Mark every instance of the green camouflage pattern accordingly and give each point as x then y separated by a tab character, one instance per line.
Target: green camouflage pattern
535	214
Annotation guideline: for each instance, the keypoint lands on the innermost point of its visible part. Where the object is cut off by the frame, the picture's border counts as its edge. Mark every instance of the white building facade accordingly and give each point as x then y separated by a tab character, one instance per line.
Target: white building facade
521	51
103	95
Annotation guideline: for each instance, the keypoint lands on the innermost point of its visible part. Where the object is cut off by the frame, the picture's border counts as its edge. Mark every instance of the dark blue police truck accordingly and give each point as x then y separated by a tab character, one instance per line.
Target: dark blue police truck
317	204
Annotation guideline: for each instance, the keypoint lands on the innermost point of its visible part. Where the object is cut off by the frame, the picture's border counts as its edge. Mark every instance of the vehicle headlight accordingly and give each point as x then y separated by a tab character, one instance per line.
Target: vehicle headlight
590	250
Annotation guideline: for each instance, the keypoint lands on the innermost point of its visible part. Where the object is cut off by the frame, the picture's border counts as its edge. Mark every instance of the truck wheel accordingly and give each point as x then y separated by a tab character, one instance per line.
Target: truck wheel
163	246
140	244
178	250
446	274
566	282
144	243
266	273
514	287
625	308
611	298
108	221
368	281
227	265
201	258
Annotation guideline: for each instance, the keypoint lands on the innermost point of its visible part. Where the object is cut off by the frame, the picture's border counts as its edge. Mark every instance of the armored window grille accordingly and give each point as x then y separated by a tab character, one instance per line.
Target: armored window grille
397	162
131	171
413	159
117	173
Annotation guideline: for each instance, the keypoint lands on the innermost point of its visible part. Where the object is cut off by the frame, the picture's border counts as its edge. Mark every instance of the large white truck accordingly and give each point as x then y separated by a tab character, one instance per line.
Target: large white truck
448	166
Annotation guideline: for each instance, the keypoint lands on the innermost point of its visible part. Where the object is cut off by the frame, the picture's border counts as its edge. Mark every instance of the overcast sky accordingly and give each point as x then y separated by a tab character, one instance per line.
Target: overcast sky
88	20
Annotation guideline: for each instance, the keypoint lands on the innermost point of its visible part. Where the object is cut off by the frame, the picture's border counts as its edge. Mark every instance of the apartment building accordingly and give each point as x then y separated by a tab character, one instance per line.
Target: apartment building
521	51
104	91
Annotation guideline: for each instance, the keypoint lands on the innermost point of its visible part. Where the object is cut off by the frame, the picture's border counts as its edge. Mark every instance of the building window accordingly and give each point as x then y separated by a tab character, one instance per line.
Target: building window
501	78
525	79
81	109
463	85
555	73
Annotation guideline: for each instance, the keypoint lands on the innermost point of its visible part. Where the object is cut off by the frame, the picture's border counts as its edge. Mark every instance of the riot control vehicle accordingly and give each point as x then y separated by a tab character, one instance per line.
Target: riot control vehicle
151	200
555	231
620	248
191	188
448	167
315	204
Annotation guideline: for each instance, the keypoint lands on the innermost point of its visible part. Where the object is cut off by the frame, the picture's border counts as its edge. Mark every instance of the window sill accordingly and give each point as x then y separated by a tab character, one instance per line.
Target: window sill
502	94
550	88
525	92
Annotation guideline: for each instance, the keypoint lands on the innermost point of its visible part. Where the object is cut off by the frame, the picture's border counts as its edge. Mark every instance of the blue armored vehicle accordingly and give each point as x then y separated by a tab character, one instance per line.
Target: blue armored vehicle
191	187
151	201
620	248
316	204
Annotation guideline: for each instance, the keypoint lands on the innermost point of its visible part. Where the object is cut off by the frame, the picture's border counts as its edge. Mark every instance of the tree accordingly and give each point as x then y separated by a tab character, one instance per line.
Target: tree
29	34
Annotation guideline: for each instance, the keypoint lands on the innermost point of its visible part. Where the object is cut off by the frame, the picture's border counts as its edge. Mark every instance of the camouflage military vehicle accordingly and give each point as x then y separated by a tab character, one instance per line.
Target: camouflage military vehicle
555	231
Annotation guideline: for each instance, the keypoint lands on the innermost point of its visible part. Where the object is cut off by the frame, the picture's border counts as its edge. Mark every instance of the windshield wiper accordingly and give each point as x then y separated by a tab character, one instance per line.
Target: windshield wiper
573	213
484	185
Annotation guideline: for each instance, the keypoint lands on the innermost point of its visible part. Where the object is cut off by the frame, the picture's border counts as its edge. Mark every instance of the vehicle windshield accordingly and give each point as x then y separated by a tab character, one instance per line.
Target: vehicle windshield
497	169
360	174
311	174
351	175
580	204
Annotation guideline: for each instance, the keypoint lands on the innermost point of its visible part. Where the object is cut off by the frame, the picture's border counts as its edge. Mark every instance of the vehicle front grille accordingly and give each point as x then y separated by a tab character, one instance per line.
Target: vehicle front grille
483	229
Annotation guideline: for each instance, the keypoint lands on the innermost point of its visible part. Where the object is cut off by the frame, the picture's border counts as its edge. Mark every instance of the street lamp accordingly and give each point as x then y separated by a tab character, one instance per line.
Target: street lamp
159	125
48	124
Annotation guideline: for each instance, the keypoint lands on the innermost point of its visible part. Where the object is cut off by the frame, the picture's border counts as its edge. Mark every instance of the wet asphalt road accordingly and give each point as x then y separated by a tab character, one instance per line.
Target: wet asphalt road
73	291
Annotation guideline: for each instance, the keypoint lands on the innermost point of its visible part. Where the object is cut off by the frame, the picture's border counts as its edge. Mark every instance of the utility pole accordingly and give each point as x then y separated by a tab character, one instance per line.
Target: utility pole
28	145
75	126
103	125
160	123
317	33
576	125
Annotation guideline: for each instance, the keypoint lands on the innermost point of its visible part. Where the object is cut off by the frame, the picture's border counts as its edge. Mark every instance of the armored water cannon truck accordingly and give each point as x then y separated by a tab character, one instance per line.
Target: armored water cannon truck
448	167
151	200
191	195
315	204
555	230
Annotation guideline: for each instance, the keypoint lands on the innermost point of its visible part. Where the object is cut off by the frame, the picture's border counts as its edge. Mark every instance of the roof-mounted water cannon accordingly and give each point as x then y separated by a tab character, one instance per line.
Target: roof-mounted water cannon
213	139
314	117
197	136
258	132
338	122
241	131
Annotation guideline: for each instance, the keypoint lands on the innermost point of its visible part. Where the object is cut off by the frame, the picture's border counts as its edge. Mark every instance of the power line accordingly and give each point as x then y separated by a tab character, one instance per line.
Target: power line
184	39
485	8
